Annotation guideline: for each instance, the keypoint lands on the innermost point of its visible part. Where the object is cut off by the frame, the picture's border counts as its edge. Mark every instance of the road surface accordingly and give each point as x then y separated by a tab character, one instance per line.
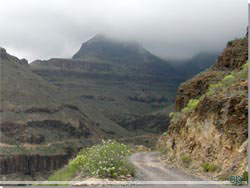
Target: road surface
150	168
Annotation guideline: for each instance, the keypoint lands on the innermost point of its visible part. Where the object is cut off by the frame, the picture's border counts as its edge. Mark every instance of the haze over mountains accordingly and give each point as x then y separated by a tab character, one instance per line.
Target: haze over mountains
124	72
109	89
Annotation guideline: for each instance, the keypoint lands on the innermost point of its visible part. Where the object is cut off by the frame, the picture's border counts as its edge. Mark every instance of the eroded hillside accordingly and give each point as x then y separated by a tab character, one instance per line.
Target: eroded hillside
208	132
38	123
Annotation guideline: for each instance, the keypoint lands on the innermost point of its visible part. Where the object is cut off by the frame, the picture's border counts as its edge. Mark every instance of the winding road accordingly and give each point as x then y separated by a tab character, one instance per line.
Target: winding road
150	168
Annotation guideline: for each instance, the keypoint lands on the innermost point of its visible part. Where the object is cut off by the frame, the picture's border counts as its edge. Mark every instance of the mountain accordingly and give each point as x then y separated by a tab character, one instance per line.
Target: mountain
41	125
121	78
104	48
208	132
52	108
198	63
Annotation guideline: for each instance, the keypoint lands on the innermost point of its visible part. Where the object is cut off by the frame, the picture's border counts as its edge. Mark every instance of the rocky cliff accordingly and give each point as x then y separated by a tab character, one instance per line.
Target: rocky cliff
233	57
28	164
208	132
155	122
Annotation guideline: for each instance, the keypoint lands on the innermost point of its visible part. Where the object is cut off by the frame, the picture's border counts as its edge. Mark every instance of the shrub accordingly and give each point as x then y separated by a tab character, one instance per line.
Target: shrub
229	79
186	161
245	66
164	134
171	115
214	88
207	167
192	103
64	174
108	159
243	74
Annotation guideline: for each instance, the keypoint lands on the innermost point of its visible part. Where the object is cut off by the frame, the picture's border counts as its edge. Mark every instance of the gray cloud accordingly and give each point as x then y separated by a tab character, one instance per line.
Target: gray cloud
168	28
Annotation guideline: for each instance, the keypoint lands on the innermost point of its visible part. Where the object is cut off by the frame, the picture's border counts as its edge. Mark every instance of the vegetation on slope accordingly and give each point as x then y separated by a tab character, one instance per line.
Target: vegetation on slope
223	87
105	160
212	128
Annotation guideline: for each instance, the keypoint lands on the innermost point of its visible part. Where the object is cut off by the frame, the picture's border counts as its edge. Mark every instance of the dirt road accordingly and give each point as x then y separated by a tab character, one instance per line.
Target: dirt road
150	168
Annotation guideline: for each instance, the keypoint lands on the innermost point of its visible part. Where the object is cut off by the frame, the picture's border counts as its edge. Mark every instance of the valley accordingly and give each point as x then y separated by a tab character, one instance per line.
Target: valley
109	89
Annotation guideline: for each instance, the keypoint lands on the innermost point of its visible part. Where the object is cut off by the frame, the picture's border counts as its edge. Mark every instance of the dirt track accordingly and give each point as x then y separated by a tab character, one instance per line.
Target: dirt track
150	168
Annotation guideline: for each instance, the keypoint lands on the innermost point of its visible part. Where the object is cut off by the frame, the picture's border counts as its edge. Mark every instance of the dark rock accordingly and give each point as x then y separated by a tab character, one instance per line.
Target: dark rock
3	53
233	56
24	61
152	123
28	164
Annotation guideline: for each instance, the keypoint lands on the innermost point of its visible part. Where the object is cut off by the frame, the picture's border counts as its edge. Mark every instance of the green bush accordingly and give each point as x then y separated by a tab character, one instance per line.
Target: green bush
186	161
192	103
245	66
108	159
213	88
64	174
207	167
164	134
171	115
228	80
243	73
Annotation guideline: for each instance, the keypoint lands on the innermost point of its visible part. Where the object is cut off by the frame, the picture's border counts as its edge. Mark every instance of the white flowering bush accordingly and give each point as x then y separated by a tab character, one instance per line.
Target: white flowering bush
108	159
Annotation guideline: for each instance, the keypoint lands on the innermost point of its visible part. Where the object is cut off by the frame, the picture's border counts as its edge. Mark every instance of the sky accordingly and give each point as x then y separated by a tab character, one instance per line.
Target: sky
171	29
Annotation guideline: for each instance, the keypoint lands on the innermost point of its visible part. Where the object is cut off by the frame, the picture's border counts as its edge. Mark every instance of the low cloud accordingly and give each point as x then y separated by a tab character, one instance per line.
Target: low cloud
168	28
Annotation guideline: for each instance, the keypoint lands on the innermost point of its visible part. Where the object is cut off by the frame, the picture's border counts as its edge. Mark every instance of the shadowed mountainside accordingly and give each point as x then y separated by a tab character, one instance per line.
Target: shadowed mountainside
121	78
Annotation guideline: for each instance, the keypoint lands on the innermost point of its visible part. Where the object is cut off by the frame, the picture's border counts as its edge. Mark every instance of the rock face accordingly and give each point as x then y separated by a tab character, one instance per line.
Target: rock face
233	57
196	87
210	137
29	164
154	123
3	54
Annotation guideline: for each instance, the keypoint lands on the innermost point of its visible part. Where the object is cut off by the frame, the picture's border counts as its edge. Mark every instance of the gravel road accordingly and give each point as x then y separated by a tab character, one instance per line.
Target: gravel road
150	168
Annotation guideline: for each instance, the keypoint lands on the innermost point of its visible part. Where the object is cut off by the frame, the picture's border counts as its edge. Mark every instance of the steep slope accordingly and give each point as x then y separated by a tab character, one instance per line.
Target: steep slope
104	48
122	79
208	132
156	122
38	121
199	62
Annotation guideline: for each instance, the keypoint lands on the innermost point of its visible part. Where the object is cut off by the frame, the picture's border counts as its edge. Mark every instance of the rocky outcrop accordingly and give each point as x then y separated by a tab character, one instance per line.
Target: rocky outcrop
28	164
3	54
71	64
27	132
24	61
101	98
149	97
151	123
209	135
196	87
233	57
